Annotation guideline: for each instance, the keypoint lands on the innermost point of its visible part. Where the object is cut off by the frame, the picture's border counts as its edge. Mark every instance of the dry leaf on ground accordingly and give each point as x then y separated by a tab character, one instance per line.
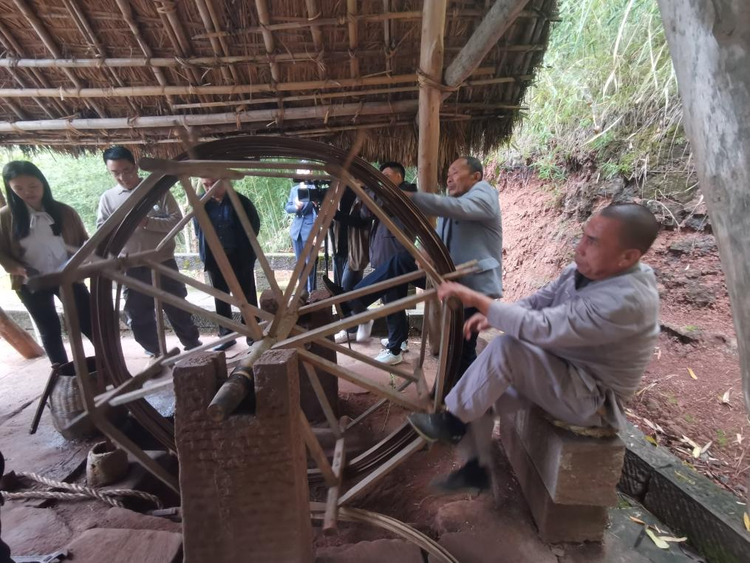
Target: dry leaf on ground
692	373
658	542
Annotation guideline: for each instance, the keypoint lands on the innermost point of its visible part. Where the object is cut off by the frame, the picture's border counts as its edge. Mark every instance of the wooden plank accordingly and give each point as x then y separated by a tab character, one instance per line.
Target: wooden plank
373	478
365	383
316	451
21	340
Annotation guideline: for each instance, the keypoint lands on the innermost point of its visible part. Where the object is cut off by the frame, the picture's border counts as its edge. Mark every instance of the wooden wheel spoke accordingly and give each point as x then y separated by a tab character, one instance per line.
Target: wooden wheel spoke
221	259
383	217
178	302
363	382
252	237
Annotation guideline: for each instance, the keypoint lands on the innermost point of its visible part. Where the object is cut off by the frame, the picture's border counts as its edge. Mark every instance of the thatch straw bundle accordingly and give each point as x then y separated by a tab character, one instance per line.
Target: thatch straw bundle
81	74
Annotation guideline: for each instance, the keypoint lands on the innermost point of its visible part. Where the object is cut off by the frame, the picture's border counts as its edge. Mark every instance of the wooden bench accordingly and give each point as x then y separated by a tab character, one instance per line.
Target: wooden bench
569	480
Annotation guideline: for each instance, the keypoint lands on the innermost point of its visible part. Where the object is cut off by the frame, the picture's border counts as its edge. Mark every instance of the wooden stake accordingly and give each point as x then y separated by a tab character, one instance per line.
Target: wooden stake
431	66
21	340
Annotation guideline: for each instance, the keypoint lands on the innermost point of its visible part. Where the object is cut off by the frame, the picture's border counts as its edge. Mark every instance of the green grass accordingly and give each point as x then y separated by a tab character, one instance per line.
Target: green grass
689	418
721	438
607	88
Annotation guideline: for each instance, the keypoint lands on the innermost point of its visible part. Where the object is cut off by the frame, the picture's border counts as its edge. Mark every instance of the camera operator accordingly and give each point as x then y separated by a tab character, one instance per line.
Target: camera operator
305	211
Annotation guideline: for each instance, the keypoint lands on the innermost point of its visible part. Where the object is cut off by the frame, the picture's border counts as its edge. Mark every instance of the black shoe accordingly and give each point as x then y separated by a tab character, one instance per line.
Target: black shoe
438	427
225	346
249	341
471	478
332	288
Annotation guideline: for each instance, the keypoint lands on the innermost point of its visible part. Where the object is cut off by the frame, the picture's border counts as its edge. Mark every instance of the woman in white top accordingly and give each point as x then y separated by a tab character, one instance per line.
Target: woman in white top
35	234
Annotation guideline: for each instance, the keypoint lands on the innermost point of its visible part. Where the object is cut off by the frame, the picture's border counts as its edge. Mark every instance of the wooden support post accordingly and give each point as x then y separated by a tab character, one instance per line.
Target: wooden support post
498	20
710	46
17	337
431	66
330	520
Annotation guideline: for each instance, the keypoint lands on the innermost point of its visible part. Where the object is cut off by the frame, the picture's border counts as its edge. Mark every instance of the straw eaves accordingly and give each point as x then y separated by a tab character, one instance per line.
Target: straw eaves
182	44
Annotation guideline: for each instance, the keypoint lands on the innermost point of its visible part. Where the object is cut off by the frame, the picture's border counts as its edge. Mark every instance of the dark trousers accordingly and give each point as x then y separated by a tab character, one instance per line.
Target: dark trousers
398	324
41	306
141	314
244	269
347	278
299	245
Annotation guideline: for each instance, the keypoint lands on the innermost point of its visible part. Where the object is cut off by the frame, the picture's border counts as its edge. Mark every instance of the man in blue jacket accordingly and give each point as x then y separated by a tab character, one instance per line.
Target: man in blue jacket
470	226
304	217
236	245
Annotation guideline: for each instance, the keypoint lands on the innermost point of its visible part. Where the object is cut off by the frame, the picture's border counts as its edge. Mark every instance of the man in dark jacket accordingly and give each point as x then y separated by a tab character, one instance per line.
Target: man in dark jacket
236	245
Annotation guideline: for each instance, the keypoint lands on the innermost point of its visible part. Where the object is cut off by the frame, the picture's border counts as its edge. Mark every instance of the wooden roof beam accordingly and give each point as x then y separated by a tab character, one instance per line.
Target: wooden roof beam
46	38
83	25
265	21
10	45
263	115
127	15
218	44
130	91
497	21
313	12
208	62
351	16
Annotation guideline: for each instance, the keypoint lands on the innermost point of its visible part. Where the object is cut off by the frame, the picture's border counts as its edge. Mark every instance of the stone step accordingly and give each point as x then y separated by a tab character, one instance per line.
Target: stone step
576	470
125	546
556	522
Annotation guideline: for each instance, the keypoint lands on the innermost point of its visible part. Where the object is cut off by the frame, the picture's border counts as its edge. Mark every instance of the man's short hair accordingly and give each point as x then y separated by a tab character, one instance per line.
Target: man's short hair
118	153
639	227
475	165
397	166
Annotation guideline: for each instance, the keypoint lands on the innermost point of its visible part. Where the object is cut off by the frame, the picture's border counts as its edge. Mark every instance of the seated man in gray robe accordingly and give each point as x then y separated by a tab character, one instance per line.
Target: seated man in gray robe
577	348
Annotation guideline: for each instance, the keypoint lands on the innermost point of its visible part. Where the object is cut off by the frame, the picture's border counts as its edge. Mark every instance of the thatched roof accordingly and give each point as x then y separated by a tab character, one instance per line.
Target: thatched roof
79	74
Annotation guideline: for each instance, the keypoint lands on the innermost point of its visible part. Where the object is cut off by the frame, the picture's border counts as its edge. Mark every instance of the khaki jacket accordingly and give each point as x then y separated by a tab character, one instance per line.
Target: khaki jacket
11	252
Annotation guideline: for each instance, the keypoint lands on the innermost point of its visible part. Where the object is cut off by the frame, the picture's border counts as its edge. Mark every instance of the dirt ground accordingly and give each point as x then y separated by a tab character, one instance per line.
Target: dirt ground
677	410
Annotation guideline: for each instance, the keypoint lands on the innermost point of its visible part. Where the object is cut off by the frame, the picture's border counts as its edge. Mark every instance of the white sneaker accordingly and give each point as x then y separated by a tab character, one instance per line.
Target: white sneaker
364	331
385	357
342	337
404	344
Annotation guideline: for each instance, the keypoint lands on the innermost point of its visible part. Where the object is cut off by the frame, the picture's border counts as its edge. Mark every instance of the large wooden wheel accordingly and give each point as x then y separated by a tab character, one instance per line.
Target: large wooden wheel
414	387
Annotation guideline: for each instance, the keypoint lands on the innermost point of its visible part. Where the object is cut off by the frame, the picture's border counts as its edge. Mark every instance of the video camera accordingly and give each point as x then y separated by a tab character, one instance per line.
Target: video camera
314	190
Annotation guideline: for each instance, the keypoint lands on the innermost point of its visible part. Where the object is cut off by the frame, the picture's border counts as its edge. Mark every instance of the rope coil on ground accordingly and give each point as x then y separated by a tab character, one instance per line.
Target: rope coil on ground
76	492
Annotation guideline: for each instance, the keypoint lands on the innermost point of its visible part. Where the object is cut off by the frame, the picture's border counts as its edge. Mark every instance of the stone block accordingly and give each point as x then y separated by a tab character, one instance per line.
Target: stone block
244	480
30	531
490	546
687	501
556	522
125	546
575	469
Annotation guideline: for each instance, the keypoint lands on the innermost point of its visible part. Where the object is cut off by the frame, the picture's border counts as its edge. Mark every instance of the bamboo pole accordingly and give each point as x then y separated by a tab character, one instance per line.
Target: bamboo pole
499	19
265	115
11	46
217	43
52	47
431	67
131	91
127	15
158	63
313	12
351	16
265	23
340	21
